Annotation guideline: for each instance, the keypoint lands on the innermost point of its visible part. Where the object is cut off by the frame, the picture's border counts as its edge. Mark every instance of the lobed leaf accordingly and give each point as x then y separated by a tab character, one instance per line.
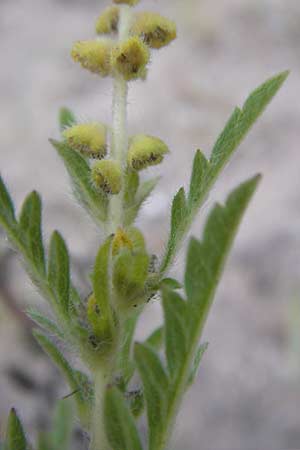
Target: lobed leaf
59	271
205	173
156	389
120	426
205	259
92	200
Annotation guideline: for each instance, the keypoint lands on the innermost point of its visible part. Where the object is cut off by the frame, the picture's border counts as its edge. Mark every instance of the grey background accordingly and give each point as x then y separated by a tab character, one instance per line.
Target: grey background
248	391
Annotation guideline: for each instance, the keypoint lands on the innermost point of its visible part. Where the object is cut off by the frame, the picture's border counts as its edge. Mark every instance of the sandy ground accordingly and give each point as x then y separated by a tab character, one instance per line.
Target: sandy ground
248	391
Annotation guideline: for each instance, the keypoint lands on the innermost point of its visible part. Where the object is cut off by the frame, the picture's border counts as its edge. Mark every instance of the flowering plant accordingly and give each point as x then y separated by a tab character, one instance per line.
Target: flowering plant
104	164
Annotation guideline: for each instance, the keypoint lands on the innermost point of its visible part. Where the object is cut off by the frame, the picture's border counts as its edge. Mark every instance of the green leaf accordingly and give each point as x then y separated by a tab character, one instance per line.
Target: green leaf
156	338
59	271
144	191
170	283
15	436
125	361
242	120
62	425
120	426
45	323
156	390
132	181
7	212
205	260
179	216
205	173
199	172
30	231
73	377
44	442
103	323
176	330
66	118
93	201
198	358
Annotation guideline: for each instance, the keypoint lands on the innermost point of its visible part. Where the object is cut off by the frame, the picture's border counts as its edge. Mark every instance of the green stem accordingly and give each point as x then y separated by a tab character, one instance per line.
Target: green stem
119	127
98	440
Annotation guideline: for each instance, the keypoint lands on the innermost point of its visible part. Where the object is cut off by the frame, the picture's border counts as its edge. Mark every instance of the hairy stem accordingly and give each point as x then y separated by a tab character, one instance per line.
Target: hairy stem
98	439
119	127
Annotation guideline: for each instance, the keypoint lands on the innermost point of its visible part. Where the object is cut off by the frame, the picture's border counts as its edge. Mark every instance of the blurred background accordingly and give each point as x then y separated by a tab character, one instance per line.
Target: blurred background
248	390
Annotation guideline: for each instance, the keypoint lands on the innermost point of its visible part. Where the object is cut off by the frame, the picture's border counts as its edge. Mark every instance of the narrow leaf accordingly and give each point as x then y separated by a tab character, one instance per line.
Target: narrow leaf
60	361
199	172
156	386
15	436
144	191
59	271
62	425
179	216
205	260
66	118
206	173
176	330
93	201
198	358
120	426
7	213
156	338
45	323
170	283
30	231
242	120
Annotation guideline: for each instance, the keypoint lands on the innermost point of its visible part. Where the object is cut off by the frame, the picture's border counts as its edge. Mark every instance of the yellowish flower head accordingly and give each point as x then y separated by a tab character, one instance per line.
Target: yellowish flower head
145	151
93	55
155	30
126	2
107	176
130	58
121	240
108	21
87	138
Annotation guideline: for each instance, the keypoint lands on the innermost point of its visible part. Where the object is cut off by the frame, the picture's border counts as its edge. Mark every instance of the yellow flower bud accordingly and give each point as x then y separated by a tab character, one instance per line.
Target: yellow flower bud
131	239
130	58
127	2
87	138
107	176
120	240
93	55
108	20
155	30
145	151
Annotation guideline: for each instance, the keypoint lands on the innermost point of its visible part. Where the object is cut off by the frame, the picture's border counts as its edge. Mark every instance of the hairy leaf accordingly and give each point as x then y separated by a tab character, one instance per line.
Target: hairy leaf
156	338
15	436
62	426
7	212
92	200
205	259
30	231
176	330
205	173
66	118
45	323
156	385
59	271
132	208
120	426
198	358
